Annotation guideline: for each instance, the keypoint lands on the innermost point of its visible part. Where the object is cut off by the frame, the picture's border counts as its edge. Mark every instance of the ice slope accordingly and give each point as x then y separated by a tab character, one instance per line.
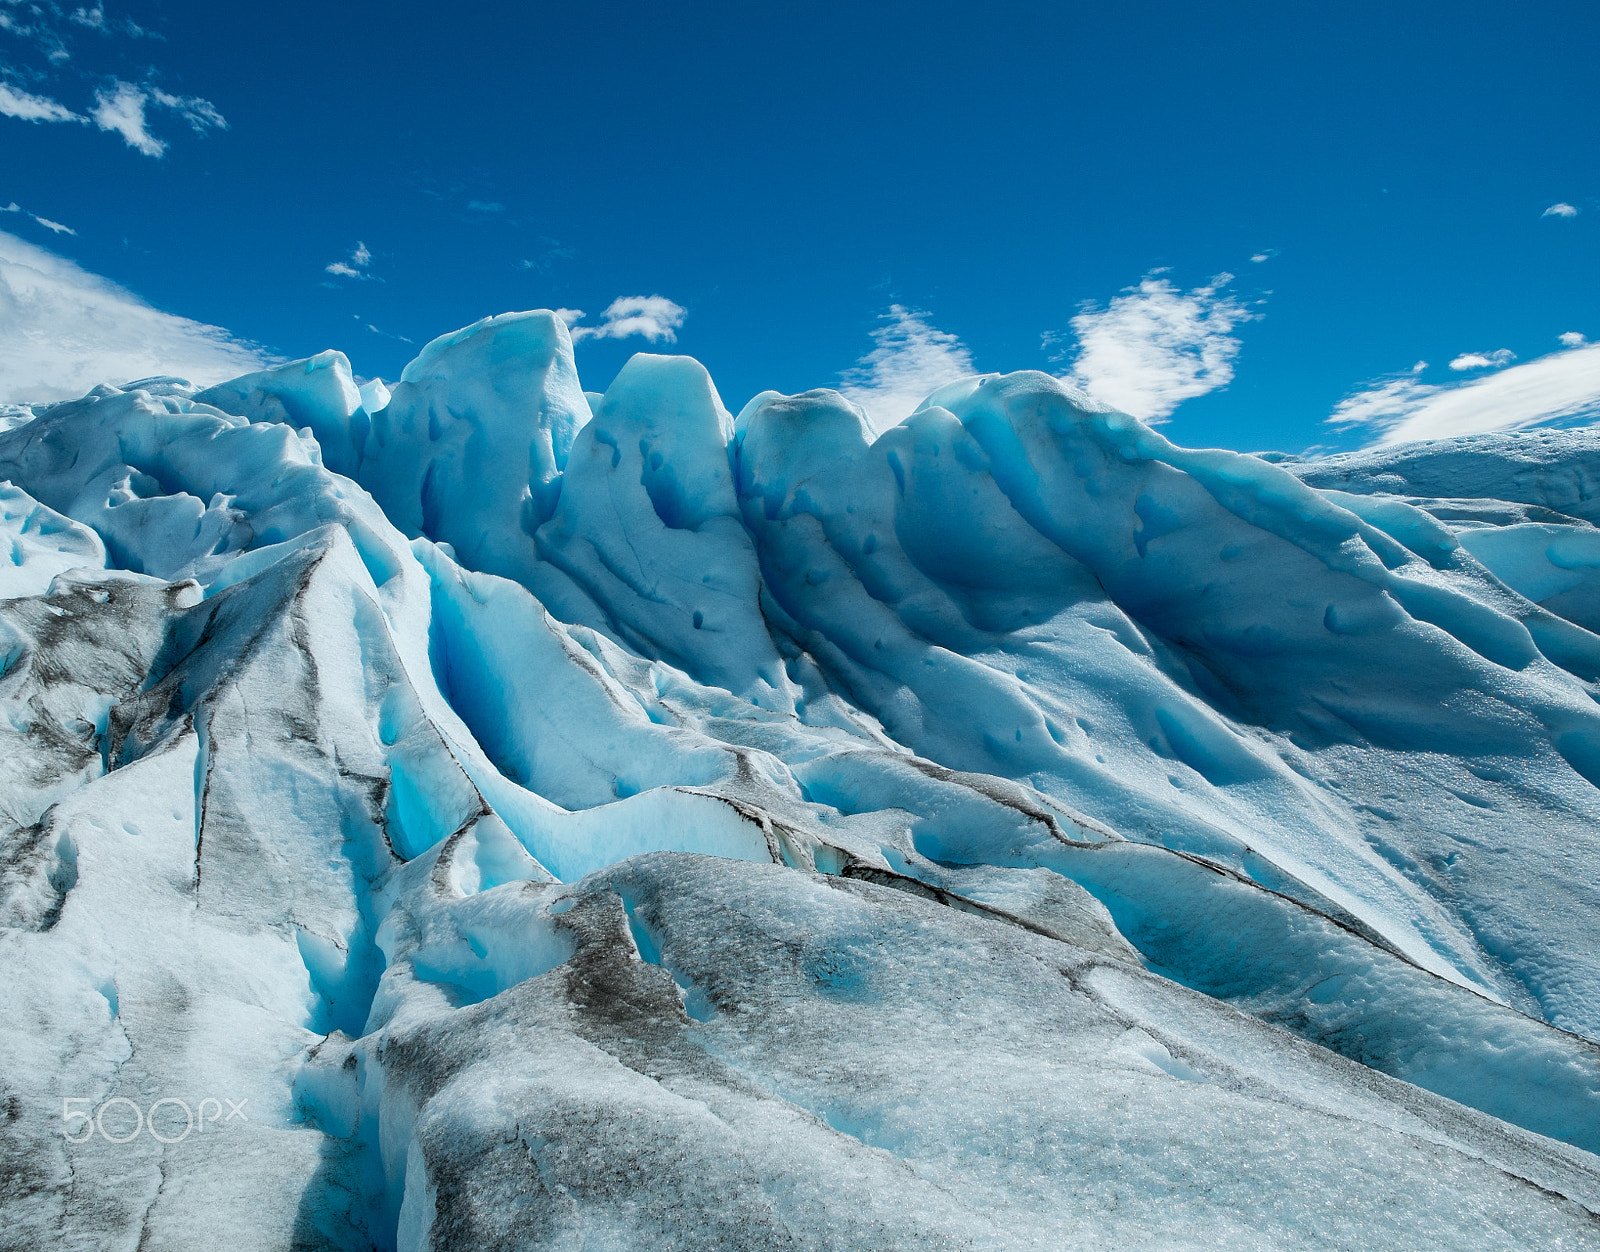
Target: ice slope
599	818
1532	503
1551	469
803	1060
39	544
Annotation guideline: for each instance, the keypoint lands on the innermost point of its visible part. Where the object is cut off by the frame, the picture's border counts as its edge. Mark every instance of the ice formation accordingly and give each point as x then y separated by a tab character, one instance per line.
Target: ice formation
498	815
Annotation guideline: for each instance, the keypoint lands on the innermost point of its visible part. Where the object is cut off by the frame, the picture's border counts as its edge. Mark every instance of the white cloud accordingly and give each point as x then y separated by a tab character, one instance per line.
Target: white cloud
569	316
1572	339
63	329
654	317
1155	346
122	106
1151	348
1561	209
360	258
1419	367
1266	254
1563	386
17	103
122	110
912	360
1498	359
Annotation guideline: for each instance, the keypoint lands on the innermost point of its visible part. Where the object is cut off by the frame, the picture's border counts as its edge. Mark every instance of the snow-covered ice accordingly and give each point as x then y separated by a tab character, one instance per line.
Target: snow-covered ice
542	817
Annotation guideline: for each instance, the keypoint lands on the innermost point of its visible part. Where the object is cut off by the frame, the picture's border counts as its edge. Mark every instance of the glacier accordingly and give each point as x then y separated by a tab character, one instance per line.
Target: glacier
473	812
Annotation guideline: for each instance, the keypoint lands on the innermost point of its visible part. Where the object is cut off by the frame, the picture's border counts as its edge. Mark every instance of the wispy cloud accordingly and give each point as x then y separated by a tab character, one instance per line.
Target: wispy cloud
1498	359
51	35
355	267
1266	254
201	114
388	334
1561	209
55	227
1155	346
66	329
123	108
1561	387
552	250
485	206
655	318
911	360
27	107
40	30
378	330
1572	339
96	19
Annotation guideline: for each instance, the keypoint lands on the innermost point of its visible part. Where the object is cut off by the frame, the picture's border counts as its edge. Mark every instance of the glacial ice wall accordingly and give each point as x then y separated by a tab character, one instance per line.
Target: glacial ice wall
569	818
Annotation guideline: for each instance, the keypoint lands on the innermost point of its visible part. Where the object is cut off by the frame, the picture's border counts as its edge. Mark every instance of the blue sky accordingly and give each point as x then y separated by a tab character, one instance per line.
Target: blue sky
931	187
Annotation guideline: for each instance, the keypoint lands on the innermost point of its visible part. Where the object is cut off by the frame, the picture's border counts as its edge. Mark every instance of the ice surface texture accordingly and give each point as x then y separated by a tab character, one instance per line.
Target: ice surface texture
605	821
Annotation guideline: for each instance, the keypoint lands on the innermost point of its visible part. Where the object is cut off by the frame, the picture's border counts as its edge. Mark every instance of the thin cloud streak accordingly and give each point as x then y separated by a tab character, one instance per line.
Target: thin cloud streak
56	227
1561	387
